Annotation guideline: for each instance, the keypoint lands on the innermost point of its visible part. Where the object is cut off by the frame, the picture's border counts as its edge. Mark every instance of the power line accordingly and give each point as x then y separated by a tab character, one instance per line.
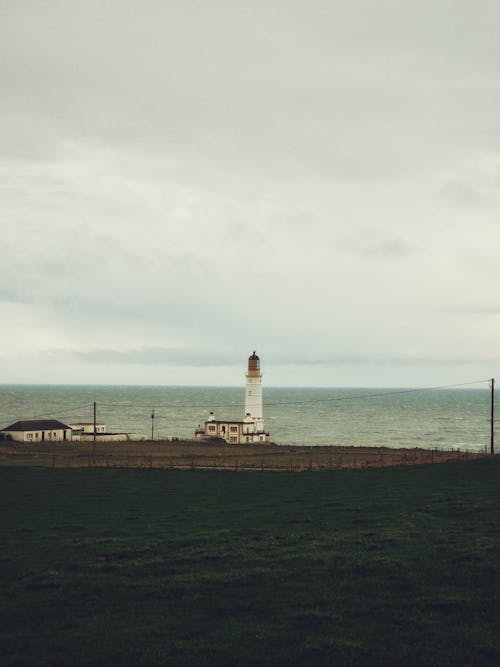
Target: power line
333	399
379	394
321	400
78	407
52	414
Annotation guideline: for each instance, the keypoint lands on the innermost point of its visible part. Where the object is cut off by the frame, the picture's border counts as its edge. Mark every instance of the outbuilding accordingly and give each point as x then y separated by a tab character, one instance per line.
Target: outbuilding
38	431
88	427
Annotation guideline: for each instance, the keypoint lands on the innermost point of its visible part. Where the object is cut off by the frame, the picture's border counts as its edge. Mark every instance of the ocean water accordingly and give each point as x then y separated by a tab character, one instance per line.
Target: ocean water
438	418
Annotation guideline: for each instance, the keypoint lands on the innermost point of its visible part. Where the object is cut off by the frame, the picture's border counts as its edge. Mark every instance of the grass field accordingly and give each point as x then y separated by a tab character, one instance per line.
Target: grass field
189	455
164	567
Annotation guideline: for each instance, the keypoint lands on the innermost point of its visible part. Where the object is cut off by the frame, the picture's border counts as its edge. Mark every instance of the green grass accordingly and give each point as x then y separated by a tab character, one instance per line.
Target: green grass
151	567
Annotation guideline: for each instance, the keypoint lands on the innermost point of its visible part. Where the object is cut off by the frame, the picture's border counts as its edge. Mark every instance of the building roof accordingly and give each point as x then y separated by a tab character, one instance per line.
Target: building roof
225	421
36	425
87	424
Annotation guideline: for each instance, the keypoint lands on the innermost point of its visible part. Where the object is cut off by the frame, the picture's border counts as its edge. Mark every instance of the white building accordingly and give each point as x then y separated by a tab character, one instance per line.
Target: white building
84	432
251	429
88	427
38	431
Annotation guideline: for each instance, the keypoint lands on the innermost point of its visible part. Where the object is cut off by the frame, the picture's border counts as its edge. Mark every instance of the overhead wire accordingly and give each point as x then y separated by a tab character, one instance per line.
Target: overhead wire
312	401
315	400
332	399
52	413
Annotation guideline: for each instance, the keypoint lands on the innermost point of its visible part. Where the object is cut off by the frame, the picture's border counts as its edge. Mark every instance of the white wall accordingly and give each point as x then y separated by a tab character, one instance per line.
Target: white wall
40	437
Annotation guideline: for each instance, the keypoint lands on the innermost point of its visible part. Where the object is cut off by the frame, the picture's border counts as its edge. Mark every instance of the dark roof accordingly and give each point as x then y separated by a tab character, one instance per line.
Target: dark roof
225	421
37	425
86	424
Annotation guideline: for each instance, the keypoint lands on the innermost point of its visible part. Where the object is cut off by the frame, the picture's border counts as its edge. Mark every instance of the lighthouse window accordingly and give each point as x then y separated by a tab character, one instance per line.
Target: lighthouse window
234	428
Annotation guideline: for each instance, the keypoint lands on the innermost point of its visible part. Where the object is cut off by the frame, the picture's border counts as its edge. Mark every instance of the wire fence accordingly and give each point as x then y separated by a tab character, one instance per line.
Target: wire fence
275	459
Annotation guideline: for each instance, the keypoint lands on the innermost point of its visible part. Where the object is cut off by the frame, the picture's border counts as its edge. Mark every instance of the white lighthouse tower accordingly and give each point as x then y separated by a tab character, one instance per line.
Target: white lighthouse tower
253	394
251	429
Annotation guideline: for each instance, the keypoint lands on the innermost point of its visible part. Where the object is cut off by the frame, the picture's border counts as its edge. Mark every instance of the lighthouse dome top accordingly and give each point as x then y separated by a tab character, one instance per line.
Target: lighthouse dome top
253	362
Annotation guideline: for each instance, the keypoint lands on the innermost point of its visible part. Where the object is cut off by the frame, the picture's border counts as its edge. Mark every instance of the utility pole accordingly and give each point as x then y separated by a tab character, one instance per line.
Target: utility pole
95	427
152	425
492	434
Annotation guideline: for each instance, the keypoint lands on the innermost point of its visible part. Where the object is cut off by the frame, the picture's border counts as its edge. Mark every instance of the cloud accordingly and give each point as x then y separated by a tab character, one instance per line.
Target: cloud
391	248
328	90
187	182
159	355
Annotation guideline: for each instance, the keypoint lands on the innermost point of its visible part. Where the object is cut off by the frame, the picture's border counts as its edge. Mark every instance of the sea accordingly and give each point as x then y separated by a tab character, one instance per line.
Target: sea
438	418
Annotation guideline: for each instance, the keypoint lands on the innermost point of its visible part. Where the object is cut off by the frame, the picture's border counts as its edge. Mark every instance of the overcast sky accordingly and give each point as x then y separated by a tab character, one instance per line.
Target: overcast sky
183	182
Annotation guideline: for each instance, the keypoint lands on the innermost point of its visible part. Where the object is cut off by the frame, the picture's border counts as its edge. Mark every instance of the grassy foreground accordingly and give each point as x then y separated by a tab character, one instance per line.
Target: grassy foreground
165	567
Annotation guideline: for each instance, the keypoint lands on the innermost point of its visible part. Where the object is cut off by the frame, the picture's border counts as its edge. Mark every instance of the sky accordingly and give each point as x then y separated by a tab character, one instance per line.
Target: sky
184	182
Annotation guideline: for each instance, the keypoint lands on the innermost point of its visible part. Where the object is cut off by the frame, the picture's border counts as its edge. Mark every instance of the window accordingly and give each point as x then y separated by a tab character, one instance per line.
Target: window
211	427
234	429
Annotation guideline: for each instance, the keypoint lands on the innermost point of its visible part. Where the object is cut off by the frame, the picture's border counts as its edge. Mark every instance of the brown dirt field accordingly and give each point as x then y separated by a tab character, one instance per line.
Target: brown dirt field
218	456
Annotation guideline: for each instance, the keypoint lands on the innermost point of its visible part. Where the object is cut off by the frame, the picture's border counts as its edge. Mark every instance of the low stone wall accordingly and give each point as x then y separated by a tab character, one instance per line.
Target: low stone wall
108	437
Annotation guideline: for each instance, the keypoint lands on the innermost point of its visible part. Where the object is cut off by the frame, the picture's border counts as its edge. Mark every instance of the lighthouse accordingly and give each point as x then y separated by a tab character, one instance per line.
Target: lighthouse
250	430
253	393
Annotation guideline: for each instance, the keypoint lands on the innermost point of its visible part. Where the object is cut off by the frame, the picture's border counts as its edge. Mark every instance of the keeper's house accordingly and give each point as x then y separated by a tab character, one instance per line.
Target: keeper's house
38	430
233	432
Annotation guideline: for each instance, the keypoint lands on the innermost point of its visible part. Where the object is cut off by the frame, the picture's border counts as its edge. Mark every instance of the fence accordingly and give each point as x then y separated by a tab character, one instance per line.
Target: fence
278	459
